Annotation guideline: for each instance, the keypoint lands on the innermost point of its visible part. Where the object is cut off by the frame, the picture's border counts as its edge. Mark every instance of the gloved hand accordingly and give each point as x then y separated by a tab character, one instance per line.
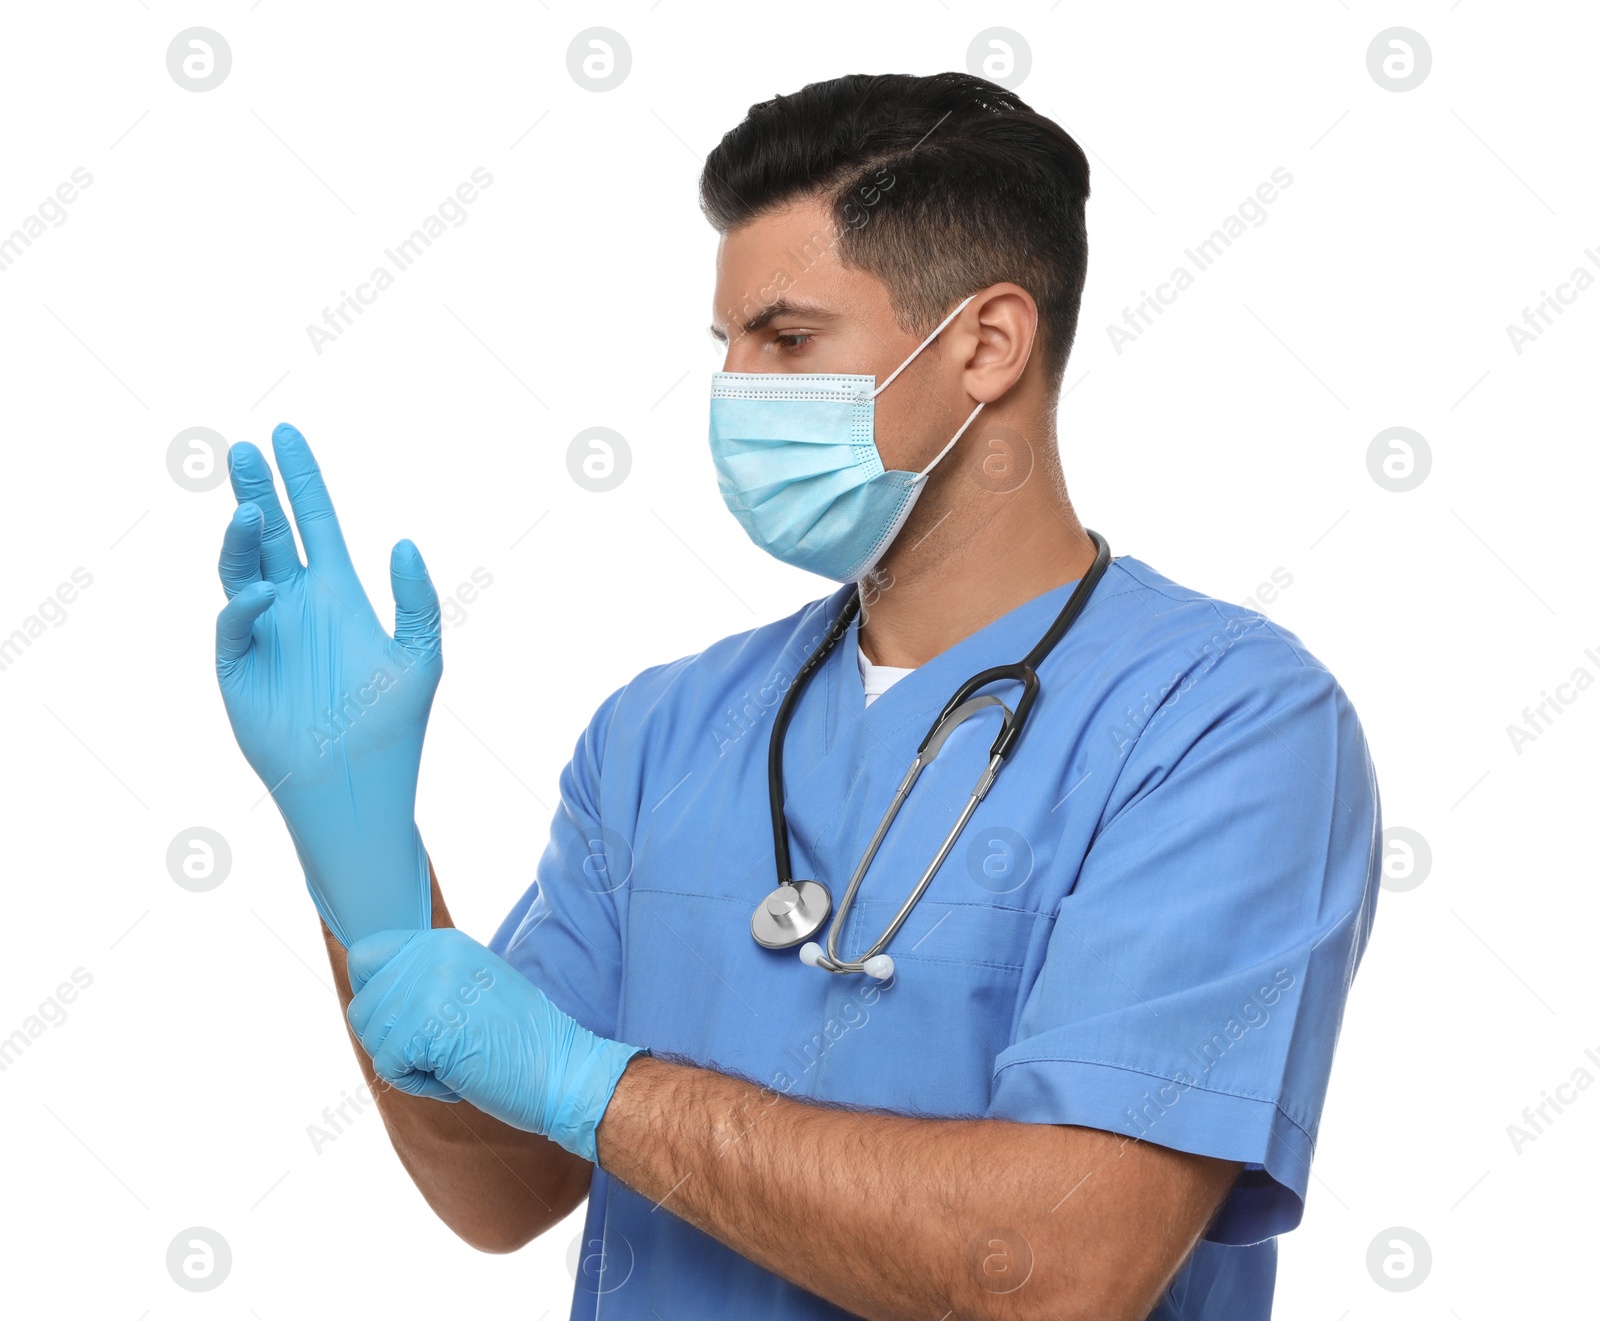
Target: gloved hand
328	709
444	1017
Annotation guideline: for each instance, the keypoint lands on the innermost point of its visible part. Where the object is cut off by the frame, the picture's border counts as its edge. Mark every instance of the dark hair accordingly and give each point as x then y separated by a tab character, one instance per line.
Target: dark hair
939	186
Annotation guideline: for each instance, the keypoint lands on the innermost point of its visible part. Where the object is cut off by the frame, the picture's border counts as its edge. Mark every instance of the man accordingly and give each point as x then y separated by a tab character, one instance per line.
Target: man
1085	1080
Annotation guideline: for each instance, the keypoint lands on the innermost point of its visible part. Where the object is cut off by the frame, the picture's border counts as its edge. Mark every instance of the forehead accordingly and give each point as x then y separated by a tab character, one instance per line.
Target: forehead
791	253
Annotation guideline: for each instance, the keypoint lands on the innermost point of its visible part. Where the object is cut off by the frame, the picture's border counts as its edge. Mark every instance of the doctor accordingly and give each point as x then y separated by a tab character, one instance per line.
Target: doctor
1085	1078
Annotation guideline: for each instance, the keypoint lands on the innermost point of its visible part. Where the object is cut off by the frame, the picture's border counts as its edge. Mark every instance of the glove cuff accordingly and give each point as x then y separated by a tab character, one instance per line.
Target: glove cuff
394	894
580	1111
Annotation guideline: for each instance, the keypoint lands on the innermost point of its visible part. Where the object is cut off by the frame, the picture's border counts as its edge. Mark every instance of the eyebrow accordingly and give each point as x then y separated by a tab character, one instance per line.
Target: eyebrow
772	311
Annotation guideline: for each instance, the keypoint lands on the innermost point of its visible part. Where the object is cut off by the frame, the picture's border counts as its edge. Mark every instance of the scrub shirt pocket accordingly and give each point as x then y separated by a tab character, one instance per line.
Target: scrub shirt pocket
923	1042
938	1024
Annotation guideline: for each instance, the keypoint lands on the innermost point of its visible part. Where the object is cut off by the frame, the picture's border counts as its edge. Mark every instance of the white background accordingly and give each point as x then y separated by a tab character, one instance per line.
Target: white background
1230	440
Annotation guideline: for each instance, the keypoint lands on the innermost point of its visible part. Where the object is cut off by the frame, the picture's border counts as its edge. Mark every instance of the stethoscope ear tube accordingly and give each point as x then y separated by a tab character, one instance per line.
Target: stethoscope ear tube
1011	730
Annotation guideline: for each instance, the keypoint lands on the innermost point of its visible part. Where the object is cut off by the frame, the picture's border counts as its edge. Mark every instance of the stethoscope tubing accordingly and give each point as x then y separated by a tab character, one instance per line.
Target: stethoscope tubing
962	705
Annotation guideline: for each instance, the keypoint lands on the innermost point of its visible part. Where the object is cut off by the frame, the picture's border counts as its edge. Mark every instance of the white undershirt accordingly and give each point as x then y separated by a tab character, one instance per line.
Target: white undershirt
878	679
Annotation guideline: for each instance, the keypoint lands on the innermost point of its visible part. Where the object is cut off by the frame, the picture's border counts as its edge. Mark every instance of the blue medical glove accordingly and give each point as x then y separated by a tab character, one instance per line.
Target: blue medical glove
444	1017
328	709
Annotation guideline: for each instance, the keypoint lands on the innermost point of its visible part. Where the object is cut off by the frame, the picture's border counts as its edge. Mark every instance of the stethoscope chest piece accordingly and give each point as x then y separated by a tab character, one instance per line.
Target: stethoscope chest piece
790	914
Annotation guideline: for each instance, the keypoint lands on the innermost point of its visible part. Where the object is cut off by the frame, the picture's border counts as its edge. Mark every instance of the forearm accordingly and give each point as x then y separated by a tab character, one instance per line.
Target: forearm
895	1217
496	1186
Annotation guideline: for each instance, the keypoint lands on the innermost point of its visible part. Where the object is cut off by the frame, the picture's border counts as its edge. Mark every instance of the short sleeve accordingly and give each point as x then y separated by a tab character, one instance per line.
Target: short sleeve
1196	976
564	934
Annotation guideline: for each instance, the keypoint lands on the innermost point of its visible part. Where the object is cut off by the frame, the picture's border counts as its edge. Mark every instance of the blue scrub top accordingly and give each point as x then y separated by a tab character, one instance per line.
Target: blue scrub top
1149	926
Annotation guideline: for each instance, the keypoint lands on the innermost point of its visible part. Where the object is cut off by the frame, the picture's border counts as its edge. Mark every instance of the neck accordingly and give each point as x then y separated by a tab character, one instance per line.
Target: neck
966	557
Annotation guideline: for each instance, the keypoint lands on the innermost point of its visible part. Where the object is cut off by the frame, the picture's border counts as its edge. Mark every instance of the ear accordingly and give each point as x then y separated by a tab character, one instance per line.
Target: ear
1003	323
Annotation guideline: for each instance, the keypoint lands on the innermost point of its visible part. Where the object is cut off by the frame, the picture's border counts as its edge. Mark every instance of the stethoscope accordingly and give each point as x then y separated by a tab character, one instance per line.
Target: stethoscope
797	910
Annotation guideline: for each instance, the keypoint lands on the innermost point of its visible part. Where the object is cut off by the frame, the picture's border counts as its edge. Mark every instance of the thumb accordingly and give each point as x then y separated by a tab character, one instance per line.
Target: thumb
368	956
237	619
416	604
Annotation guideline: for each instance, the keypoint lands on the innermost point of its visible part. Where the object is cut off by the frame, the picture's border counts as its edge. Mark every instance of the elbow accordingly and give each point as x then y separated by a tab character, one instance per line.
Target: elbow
501	1230
499	1239
1043	1298
492	1220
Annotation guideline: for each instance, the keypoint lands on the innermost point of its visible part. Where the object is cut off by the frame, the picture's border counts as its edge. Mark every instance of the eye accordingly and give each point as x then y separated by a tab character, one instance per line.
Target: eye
792	341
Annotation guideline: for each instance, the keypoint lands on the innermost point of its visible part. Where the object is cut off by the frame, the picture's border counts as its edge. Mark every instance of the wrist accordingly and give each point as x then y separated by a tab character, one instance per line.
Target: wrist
618	1128
363	886
589	1093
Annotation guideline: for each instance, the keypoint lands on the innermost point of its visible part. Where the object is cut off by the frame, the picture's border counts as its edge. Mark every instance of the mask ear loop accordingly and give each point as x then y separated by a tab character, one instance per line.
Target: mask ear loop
952	443
975	411
936	331
923	345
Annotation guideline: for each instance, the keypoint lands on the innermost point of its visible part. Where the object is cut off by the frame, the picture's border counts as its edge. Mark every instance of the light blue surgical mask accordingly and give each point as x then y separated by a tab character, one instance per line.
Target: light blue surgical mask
799	466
